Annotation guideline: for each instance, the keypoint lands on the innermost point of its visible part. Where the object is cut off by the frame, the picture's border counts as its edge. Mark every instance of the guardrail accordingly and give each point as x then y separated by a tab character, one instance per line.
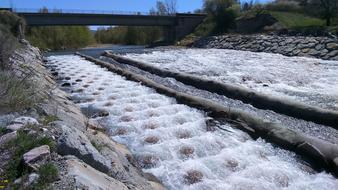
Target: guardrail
76	11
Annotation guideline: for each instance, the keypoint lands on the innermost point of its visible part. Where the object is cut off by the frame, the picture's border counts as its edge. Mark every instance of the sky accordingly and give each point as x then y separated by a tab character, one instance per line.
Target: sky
101	5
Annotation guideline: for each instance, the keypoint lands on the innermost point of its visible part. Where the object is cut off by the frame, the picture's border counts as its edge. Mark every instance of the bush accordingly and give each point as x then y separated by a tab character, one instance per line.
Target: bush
12	22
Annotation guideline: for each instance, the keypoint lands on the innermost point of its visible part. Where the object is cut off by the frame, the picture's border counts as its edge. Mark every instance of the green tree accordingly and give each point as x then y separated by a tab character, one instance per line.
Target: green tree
220	11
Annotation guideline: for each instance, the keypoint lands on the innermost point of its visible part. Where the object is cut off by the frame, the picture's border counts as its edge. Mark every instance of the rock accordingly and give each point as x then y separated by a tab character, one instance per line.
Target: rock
314	52
187	151
74	142
32	178
4	139
332	46
25	121
319	47
193	176
335	58
34	157
333	53
14	127
151	140
55	74
147	161
93	112
305	50
66	84
87	177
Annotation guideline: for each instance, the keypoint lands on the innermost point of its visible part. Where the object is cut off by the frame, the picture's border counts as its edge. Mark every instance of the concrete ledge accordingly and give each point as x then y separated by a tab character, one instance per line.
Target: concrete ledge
324	154
279	105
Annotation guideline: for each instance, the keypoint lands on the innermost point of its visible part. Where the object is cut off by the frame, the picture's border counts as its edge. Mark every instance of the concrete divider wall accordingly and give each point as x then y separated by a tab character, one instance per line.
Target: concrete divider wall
279	105
325	154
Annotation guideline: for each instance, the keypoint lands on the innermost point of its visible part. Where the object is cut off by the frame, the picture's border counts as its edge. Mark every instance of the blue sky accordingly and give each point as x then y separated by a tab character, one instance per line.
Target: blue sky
117	5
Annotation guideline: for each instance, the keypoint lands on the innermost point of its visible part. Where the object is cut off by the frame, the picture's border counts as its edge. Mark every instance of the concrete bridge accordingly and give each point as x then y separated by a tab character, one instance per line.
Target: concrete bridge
175	26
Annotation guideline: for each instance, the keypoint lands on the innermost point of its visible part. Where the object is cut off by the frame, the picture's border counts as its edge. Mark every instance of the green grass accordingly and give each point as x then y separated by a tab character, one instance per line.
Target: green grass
48	174
16	94
296	20
22	144
49	118
2	130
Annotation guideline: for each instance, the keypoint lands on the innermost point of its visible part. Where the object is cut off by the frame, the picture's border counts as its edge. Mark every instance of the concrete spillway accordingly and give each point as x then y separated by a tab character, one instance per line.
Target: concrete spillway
175	143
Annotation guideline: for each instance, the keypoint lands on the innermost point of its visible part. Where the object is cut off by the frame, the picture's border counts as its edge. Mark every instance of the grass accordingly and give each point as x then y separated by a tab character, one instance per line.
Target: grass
98	147
2	130
16	94
296	20
22	144
49	118
48	173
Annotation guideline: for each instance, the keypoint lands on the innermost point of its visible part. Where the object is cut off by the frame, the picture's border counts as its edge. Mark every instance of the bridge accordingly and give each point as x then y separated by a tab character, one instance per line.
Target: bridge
175	26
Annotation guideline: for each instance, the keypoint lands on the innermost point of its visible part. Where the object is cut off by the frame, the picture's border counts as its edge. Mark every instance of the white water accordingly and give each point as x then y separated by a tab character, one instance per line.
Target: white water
227	160
303	79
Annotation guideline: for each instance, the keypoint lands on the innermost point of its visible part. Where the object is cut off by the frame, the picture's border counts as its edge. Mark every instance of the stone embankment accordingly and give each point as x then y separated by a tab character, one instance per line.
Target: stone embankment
318	47
85	156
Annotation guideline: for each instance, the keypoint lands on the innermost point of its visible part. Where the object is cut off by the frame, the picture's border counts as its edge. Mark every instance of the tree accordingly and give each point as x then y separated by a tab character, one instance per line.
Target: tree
325	8
222	14
329	9
166	7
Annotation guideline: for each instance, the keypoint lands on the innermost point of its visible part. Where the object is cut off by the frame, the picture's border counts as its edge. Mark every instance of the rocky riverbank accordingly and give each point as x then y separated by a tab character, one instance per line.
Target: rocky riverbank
55	146
318	47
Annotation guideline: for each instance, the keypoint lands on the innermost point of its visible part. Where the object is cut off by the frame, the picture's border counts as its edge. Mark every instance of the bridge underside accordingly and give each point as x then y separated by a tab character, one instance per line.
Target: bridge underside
175	26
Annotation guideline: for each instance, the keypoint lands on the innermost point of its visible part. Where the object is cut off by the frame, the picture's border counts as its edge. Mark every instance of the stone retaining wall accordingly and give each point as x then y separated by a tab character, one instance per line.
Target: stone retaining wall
318	47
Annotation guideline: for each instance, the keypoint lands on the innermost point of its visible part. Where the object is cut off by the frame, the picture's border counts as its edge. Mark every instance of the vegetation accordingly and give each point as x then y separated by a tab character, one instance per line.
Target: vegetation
292	20
327	9
48	173
223	13
2	130
128	35
22	144
49	118
10	25
139	35
60	37
16	93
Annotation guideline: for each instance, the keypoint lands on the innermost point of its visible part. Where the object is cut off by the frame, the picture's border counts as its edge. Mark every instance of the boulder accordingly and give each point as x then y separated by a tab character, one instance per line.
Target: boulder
75	142
332	46
25	121
4	139
333	53
193	176
32	179
37	156
14	127
94	112
87	177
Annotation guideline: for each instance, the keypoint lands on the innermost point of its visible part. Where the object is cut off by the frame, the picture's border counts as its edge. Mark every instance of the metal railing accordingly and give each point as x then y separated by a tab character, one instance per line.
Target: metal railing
76	11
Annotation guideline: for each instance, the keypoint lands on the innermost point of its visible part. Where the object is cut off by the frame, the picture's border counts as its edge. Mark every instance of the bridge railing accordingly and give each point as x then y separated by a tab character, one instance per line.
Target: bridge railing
76	11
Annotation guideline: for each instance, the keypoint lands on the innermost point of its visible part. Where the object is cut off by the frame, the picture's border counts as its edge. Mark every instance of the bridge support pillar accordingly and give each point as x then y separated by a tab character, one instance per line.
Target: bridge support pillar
169	34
